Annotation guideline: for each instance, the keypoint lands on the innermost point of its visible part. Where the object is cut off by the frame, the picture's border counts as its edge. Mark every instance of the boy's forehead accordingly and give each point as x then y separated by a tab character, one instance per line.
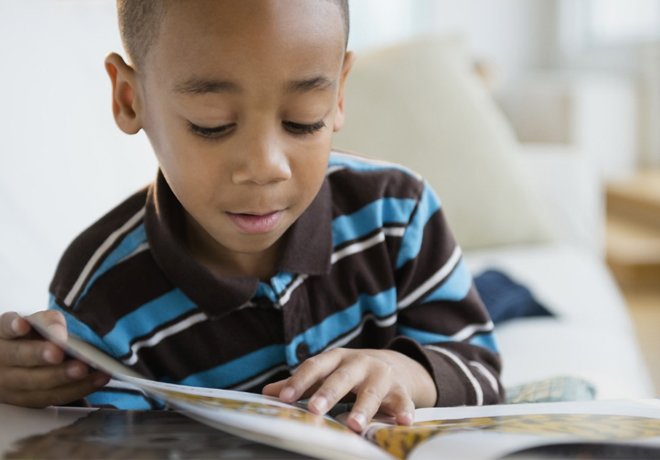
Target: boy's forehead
207	37
221	23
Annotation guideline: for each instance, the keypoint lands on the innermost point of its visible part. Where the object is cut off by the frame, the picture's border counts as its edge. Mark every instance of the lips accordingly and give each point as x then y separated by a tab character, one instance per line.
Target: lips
255	223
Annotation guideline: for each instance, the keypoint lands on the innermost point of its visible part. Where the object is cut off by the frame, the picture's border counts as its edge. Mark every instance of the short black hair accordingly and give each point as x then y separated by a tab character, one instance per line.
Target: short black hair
139	24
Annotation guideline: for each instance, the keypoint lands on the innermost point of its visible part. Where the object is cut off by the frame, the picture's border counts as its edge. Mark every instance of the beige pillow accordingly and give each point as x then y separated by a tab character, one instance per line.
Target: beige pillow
419	104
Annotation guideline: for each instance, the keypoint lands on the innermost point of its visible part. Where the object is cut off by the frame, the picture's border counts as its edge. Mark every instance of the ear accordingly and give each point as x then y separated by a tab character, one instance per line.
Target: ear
349	58
125	97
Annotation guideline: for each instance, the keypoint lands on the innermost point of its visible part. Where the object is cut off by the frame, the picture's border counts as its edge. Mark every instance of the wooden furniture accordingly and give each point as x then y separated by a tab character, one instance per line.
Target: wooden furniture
633	230
633	254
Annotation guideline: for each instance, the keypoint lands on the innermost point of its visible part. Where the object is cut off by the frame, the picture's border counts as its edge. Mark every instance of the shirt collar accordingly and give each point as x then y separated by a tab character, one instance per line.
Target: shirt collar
307	249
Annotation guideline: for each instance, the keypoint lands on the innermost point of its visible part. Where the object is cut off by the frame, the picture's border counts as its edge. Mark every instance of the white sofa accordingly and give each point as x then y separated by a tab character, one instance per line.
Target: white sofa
533	211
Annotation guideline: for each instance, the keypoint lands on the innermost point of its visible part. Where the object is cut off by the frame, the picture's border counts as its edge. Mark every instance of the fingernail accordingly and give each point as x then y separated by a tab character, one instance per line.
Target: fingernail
75	371
360	419
320	403
49	356
15	327
405	418
287	394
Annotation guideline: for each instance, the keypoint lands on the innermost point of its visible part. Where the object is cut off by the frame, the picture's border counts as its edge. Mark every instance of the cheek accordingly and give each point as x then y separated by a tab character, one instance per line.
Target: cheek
178	154
191	174
310	168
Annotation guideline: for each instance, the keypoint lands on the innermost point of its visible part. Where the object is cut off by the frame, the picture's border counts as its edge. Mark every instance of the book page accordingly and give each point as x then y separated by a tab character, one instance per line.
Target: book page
255	417
497	431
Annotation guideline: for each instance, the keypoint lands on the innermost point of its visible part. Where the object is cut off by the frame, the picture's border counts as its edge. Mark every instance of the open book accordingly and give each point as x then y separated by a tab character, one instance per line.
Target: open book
594	429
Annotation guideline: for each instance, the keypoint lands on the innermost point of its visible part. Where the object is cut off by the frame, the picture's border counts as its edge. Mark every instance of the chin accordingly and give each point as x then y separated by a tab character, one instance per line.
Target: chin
254	244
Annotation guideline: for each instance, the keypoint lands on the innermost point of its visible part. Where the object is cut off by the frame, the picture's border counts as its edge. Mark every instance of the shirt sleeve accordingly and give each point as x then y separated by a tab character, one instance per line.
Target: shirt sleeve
442	322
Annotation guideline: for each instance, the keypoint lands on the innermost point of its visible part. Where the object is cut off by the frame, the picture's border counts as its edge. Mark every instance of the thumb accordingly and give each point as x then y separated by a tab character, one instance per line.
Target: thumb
51	323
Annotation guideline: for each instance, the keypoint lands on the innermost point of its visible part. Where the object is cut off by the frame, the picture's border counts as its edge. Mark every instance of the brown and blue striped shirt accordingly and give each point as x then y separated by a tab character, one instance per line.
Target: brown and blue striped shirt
370	264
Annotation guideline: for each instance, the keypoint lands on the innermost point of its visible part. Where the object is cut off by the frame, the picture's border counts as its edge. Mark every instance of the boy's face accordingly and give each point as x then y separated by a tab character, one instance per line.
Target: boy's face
239	100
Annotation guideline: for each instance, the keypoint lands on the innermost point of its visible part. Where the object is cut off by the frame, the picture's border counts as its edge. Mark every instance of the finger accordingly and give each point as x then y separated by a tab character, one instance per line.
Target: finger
274	389
309	373
53	321
13	326
370	397
62	395
29	353
342	381
399	405
42	378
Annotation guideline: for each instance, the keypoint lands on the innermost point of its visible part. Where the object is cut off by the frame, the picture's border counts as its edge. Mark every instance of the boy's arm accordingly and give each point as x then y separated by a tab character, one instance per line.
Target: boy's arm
444	353
442	322
34	372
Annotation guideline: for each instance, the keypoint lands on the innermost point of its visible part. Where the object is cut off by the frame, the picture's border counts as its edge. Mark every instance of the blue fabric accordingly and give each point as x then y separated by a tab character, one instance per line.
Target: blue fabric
506	299
483	340
428	205
343	322
350	227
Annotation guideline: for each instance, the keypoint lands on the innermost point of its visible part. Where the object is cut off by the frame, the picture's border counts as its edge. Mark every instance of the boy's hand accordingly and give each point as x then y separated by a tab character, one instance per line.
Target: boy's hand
34	372
382	380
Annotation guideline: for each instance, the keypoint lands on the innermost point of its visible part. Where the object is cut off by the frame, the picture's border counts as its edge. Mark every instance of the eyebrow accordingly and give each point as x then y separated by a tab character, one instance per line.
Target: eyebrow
310	84
197	85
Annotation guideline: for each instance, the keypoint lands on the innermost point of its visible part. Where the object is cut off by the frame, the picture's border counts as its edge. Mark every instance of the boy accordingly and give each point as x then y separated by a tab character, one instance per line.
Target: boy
258	256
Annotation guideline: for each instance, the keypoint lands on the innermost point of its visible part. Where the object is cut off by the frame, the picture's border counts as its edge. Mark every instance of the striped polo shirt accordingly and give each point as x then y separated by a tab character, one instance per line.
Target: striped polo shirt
371	263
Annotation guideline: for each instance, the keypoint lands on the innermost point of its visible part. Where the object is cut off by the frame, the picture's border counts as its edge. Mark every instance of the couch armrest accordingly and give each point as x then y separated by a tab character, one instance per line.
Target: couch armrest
568	183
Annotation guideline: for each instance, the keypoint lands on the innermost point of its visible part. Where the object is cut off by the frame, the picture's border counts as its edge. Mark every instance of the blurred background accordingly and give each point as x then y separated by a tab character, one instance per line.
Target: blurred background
578	78
579	74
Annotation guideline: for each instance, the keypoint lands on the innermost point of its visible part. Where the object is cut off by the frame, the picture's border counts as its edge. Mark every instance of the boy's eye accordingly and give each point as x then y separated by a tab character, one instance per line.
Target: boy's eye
220	131
211	133
299	128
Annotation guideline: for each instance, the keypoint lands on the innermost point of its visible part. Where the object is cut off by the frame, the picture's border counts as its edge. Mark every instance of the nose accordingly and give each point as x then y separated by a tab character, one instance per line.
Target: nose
262	162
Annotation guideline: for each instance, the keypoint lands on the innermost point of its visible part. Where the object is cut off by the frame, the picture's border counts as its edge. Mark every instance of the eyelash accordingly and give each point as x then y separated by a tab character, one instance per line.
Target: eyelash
297	129
303	129
210	133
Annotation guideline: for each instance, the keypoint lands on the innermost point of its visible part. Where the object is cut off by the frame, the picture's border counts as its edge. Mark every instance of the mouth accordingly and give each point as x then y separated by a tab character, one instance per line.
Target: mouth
255	223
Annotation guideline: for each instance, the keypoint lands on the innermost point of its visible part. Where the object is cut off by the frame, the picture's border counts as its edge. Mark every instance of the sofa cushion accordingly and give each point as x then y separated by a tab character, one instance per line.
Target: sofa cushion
419	104
591	335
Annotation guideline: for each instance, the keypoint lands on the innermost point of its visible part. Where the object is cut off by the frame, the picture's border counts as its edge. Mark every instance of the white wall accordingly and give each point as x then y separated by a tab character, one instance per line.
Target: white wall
62	160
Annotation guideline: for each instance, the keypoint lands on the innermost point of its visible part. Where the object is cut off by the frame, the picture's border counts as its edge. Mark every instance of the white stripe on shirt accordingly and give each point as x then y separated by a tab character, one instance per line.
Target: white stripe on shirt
286	295
162	334
471	329
384	322
141	248
357	247
488	375
345	252
478	391
433	280
99	253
